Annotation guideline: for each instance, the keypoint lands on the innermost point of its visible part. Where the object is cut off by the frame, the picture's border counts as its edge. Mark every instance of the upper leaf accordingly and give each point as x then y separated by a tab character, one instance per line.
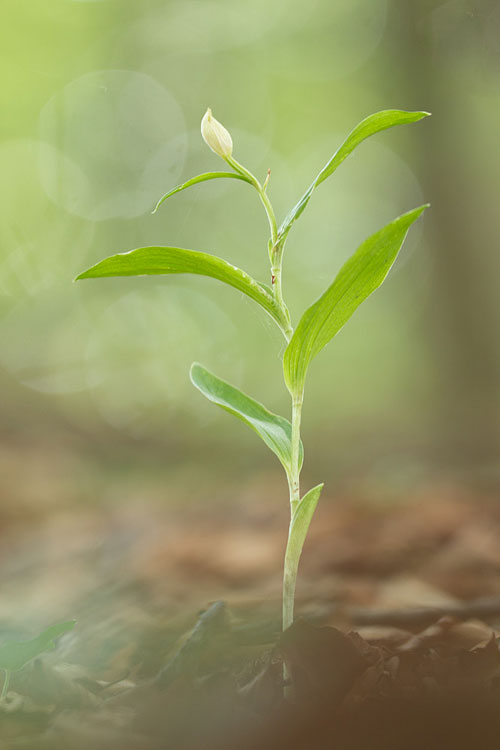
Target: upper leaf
15	654
356	280
275	431
171	260
196	180
367	127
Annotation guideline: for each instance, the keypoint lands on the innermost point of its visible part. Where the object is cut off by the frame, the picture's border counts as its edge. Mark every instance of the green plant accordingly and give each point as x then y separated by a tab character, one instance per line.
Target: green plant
356	280
14	655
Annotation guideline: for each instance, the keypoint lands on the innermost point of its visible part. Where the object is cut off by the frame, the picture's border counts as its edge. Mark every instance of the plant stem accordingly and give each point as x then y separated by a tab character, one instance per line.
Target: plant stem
273	225
275	247
276	261
6	682
291	562
289	581
276	256
295	440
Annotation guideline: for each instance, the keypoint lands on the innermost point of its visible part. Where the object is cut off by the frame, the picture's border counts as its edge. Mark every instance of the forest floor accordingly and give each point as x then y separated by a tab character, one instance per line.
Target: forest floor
178	644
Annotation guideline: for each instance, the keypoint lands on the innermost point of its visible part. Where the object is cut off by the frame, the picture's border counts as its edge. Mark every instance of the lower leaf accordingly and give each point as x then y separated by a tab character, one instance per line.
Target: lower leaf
274	430
299	525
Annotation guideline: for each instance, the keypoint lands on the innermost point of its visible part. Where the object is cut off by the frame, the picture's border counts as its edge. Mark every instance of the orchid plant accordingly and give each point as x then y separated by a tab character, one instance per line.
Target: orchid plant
357	279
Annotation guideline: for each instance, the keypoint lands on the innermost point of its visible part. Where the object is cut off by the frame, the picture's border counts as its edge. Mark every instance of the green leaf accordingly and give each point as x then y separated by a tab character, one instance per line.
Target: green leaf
367	127
275	431
300	525
196	180
15	654
173	260
356	280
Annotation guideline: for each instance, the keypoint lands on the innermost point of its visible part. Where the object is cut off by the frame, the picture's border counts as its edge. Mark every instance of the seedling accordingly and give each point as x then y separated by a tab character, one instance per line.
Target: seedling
356	280
14	655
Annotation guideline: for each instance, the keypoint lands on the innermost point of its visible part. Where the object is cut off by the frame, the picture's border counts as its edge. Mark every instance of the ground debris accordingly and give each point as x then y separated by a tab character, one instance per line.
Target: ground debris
60	685
395	696
399	648
349	691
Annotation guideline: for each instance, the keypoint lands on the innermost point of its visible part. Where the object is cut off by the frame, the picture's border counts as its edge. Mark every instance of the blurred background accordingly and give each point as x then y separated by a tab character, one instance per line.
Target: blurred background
101	431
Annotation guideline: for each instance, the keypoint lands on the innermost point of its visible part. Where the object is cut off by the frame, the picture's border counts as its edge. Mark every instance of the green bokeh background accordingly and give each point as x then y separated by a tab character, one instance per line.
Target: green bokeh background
101	103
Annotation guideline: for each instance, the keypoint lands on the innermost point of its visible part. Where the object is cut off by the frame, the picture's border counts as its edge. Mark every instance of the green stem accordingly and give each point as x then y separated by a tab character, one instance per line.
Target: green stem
289	582
276	260
295	473
275	247
292	564
276	256
273	224
6	682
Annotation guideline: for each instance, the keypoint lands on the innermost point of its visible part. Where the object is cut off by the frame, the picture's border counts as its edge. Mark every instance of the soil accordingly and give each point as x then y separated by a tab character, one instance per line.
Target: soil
178	643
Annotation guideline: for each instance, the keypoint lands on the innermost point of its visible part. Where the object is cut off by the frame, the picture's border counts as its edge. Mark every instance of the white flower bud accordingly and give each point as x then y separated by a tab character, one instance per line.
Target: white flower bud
216	136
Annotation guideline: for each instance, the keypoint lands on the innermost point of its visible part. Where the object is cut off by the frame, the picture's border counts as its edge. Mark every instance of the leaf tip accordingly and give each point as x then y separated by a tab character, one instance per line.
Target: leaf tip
87	274
158	204
421	113
415	213
317	489
193	370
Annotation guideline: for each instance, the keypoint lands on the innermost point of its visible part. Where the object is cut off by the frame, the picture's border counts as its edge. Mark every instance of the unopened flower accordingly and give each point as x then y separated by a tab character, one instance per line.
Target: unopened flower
216	136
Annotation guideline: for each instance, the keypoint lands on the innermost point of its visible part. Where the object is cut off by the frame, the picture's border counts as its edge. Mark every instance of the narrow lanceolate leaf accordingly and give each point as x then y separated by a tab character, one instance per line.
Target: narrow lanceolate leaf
199	178
172	260
367	127
275	431
356	280
300	525
15	654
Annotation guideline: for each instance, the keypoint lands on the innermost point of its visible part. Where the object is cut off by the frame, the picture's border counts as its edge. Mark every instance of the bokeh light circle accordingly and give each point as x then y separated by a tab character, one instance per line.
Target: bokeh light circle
119	139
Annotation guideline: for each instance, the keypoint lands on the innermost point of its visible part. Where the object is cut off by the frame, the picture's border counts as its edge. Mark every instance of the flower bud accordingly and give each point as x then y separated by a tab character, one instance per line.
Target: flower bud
216	136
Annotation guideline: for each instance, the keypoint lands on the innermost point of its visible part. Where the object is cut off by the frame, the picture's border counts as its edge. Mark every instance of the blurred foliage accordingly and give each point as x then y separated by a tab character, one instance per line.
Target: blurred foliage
101	104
